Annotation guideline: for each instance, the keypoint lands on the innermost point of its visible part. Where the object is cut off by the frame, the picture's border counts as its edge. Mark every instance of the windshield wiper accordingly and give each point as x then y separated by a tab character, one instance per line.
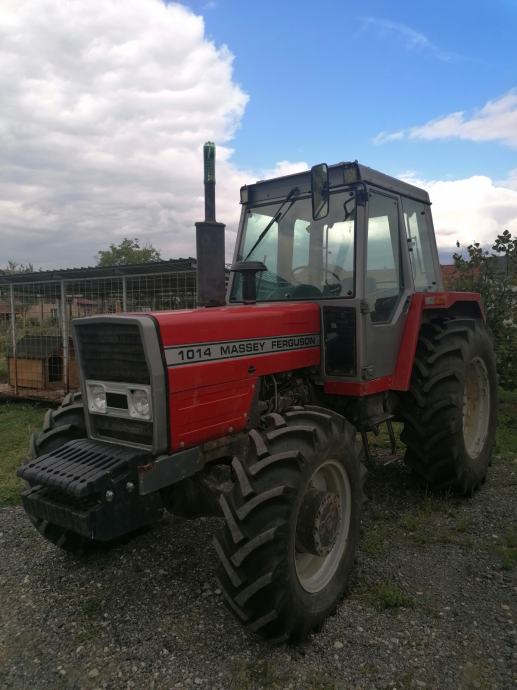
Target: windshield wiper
290	198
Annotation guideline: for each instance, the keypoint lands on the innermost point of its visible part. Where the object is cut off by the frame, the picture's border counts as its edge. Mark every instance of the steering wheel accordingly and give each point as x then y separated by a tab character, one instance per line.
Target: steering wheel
306	267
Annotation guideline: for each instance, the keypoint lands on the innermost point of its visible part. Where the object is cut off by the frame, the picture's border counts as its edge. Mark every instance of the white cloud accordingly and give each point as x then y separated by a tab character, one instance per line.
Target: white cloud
105	107
474	209
284	168
384	137
410	38
495	121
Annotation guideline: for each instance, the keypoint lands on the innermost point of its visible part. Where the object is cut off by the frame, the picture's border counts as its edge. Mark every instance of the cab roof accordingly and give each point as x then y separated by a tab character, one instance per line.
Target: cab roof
340	175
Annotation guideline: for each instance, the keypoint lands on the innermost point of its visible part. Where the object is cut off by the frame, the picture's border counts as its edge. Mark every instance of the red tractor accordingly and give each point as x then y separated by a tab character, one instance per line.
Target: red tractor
256	405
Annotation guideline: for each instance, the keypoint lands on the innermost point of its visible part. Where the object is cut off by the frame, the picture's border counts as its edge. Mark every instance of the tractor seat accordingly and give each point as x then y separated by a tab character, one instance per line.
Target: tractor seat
305	291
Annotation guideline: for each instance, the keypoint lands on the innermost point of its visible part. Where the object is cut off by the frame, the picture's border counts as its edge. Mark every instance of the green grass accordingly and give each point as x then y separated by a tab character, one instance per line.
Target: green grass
257	674
3	369
506	445
91	608
17	420
260	674
430	522
508	550
374	539
387	596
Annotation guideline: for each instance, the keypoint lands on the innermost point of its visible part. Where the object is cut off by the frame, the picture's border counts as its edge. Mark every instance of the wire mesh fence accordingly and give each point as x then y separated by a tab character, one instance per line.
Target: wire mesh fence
37	358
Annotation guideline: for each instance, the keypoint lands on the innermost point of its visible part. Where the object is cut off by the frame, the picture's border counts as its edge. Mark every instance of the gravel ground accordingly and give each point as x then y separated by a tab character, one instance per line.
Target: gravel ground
433	604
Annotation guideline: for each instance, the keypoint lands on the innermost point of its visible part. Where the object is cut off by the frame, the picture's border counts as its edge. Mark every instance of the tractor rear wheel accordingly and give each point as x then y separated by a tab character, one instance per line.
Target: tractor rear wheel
292	523
450	411
64	424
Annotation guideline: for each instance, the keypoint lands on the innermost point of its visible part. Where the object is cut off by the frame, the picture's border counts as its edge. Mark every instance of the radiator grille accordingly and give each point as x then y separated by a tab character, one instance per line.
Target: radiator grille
126	430
112	352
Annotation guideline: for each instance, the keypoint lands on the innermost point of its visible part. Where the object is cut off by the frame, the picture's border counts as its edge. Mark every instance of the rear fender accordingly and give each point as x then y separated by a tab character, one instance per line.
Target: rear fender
432	303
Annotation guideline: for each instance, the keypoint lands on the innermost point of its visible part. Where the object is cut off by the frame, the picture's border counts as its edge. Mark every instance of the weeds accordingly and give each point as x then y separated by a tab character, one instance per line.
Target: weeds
254	675
320	681
388	595
508	550
17	420
506	437
91	608
374	540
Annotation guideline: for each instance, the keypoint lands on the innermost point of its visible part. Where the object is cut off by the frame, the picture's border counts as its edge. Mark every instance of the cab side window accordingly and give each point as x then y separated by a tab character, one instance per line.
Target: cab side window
419	245
384	282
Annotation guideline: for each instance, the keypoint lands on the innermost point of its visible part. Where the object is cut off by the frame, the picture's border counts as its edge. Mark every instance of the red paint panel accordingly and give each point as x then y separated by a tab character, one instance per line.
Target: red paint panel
401	378
207	399
358	388
233	323
194	376
406	356
209	412
419	302
445	300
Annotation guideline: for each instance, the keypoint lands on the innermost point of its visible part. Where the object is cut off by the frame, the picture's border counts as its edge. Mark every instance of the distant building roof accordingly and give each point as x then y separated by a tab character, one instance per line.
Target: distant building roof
55	275
37	346
498	264
448	271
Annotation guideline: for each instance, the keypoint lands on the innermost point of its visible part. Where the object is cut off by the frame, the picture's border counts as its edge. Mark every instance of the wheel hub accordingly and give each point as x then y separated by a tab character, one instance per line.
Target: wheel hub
318	522
476	407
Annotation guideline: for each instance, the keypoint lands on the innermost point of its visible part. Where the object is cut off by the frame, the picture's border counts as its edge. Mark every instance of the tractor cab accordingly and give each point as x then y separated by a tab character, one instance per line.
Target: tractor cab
358	242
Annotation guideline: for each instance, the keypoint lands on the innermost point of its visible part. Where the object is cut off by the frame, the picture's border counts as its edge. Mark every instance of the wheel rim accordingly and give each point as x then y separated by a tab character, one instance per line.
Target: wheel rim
314	572
476	407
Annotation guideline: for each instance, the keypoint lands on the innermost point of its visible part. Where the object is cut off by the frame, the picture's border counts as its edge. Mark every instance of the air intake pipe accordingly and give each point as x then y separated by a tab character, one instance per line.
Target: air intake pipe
211	289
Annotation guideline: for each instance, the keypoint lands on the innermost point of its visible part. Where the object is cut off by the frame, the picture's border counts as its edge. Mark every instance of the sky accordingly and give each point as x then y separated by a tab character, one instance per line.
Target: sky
106	105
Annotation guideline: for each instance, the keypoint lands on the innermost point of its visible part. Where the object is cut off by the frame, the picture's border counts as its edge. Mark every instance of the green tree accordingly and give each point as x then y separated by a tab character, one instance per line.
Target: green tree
128	252
15	267
494	275
27	298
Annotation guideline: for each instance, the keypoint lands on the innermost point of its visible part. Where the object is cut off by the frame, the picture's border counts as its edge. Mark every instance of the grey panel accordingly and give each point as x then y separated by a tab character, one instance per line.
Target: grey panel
154	358
278	188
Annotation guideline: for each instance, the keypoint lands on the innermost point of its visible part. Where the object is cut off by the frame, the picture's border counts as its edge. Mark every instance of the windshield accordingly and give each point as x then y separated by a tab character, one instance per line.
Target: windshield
305	259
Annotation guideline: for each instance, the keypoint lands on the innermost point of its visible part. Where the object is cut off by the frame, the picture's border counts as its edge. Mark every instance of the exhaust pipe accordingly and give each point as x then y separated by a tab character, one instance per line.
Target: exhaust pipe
211	288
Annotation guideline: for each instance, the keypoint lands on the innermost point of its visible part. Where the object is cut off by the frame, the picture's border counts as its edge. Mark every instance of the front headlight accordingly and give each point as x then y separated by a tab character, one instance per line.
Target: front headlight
140	403
97	399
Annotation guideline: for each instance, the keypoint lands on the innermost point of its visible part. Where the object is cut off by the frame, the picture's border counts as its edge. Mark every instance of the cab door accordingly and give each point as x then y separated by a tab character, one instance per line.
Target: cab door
387	285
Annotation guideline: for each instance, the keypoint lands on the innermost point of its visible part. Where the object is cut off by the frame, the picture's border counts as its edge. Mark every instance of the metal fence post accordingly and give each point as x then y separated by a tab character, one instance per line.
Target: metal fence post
13	338
124	294
64	327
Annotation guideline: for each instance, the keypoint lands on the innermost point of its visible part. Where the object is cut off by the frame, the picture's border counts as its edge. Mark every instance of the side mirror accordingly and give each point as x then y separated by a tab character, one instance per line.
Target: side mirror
248	271
320	191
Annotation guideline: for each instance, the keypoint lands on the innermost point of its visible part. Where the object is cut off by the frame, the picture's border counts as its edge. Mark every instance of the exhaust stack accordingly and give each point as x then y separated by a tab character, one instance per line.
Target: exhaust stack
211	289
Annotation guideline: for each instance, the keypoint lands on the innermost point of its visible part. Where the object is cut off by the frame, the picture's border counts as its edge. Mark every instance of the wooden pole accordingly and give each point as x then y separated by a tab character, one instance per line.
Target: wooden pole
13	337
64	330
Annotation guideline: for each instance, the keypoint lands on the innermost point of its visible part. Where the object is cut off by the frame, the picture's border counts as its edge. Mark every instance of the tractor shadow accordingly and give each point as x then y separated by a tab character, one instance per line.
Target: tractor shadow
163	578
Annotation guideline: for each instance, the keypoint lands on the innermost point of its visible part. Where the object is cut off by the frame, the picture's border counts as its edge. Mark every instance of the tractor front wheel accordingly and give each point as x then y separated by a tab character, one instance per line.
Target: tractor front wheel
292	523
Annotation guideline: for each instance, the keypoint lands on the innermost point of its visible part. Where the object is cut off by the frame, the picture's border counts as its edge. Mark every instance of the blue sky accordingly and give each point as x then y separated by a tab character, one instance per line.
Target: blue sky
325	78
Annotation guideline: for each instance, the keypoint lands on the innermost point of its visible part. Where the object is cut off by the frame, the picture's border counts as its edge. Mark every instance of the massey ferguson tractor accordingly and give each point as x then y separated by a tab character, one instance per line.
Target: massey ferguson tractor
256	405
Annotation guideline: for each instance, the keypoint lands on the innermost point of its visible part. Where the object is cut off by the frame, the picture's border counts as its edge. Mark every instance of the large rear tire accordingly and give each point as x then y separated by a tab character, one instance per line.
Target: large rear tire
64	424
292	526
450	411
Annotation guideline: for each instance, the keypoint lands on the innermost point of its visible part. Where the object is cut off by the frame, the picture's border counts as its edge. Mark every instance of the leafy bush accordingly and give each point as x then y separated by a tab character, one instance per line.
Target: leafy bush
494	275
